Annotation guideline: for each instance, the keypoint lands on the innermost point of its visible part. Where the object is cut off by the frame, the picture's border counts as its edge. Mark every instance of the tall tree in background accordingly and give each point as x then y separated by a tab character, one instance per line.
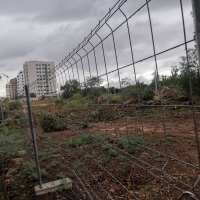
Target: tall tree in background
71	87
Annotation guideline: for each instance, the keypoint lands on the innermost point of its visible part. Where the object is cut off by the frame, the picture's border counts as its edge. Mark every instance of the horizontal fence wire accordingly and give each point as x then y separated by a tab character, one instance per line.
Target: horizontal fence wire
95	125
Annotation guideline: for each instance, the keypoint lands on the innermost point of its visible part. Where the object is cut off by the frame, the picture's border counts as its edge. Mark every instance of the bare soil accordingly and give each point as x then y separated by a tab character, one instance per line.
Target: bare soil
141	154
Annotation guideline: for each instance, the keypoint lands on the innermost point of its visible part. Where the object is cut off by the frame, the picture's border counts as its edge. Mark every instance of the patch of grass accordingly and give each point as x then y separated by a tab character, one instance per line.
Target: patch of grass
43	137
110	137
123	142
60	175
113	153
64	144
119	158
146	187
78	165
51	165
103	159
131	149
43	172
79	141
85	158
63	185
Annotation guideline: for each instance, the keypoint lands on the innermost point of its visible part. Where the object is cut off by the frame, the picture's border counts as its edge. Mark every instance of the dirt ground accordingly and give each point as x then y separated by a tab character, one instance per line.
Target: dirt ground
141	154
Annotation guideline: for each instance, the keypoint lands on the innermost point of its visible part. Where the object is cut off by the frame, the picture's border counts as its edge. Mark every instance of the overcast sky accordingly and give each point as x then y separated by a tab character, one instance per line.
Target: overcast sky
49	29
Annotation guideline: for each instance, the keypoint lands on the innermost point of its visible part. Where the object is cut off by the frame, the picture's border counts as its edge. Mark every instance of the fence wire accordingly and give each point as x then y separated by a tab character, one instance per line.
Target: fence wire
95	126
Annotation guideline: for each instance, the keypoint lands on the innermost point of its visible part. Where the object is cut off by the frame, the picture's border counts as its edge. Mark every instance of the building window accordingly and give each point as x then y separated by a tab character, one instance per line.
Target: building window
36	64
42	64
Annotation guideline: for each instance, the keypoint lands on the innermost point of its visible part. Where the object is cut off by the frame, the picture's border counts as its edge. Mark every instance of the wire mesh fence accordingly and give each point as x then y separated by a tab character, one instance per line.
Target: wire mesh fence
99	124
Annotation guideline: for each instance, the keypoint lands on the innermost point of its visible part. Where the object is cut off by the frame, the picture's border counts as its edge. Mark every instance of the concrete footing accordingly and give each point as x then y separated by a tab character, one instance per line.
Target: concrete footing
53	186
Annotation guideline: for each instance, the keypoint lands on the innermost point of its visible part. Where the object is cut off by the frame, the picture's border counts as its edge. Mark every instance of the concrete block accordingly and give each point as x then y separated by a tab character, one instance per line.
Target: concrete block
53	186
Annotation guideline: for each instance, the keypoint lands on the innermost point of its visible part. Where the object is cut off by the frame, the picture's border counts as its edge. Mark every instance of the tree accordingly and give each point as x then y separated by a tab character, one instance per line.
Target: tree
179	78
93	81
71	87
193	68
32	95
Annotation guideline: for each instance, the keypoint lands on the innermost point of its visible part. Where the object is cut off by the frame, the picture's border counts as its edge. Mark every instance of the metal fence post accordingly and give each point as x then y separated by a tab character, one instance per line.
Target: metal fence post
196	16
33	134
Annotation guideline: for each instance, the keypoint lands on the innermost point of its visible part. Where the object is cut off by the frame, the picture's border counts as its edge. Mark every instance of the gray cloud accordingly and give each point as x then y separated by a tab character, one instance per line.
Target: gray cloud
49	30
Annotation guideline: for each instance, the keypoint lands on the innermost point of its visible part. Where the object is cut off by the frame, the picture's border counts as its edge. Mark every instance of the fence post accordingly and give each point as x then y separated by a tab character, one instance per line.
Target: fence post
33	134
196	17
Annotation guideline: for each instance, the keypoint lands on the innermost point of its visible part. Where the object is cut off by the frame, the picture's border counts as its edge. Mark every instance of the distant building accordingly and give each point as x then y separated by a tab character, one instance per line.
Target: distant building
8	93
20	83
13	88
40	76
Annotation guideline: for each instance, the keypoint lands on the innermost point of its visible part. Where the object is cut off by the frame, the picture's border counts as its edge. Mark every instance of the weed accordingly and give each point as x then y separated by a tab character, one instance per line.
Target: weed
85	158
146	187
78	166
60	175
43	137
110	137
130	149
103	159
106	147
63	184
51	165
79	141
113	153
43	172
119	158
123	142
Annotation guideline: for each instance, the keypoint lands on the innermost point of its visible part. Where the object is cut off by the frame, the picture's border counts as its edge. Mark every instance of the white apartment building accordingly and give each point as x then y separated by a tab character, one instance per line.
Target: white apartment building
40	76
8	90
20	83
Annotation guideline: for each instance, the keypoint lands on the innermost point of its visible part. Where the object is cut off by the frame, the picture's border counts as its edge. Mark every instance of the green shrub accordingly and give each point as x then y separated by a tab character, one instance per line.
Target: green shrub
147	95
115	99
14	105
50	124
58	101
77	96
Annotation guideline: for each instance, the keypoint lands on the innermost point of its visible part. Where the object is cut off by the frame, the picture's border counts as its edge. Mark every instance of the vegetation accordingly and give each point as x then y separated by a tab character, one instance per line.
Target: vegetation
32	95
177	81
76	111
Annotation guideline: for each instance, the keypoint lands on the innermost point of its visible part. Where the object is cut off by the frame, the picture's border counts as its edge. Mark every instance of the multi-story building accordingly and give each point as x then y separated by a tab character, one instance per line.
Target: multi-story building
20	83
40	76
8	93
13	88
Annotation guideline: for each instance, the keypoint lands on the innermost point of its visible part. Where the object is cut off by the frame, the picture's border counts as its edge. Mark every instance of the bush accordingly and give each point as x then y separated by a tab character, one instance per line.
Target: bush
58	101
147	95
76	96
50	124
14	105
115	99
